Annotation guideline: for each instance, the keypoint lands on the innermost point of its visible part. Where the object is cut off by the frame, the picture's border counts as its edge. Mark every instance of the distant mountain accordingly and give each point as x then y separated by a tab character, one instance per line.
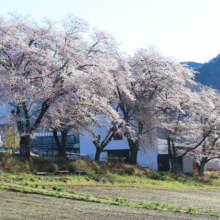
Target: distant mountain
209	73
192	64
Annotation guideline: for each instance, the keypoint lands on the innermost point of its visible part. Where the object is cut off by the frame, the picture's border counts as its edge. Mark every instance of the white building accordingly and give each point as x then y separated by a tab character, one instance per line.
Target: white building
118	147
186	163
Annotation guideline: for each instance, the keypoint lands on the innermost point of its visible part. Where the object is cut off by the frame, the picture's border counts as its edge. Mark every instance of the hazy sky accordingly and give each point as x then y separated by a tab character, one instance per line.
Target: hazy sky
187	30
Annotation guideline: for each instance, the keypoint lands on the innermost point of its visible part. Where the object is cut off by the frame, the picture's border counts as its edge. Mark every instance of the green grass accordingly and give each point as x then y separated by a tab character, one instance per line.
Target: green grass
126	181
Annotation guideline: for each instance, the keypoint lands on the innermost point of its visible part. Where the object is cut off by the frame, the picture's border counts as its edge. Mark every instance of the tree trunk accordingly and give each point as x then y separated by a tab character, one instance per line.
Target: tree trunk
201	167
172	155
174	165
61	147
25	143
98	153
101	145
134	150
57	142
63	144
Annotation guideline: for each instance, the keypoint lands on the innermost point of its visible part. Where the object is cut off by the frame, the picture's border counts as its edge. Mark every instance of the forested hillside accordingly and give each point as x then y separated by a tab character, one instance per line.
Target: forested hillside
209	73
193	64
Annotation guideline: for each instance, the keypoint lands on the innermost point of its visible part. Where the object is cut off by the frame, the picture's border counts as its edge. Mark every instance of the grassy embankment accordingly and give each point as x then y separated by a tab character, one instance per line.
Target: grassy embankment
110	174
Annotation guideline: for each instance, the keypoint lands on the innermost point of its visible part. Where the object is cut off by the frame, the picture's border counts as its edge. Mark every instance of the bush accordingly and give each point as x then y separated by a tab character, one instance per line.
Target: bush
72	167
181	179
130	170
53	168
103	168
213	176
93	165
167	178
154	174
63	167
139	173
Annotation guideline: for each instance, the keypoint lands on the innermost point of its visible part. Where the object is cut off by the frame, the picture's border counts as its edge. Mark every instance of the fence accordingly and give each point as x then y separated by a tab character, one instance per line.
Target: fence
75	156
9	151
71	156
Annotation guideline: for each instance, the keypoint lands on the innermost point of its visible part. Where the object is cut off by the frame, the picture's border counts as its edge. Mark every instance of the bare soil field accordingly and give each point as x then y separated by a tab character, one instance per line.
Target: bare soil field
202	199
14	205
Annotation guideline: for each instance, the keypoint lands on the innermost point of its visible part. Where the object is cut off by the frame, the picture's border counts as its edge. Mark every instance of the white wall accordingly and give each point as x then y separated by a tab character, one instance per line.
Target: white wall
213	164
187	165
146	157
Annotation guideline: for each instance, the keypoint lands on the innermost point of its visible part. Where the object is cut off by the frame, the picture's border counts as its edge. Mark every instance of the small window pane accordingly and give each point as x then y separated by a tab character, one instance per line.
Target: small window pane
117	137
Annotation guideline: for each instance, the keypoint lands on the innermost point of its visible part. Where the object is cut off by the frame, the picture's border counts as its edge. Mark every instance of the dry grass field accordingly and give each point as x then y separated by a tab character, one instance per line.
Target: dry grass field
15	205
202	199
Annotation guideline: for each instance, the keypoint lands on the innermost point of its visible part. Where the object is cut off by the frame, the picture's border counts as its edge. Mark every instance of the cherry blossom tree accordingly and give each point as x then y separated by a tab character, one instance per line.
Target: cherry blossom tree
155	77
192	119
81	109
43	64
203	136
106	121
208	151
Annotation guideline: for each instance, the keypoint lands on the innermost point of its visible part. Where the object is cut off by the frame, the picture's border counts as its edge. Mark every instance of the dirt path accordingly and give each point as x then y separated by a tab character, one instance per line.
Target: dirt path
14	205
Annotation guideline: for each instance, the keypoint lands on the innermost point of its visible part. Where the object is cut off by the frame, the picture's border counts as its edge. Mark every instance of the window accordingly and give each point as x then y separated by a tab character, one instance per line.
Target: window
117	137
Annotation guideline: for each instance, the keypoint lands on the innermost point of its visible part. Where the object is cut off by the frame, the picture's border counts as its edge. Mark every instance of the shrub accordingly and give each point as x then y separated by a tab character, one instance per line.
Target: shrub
53	168
139	173
130	170
213	176
181	179
167	178
120	172
93	165
72	167
103	167
154	174
63	167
